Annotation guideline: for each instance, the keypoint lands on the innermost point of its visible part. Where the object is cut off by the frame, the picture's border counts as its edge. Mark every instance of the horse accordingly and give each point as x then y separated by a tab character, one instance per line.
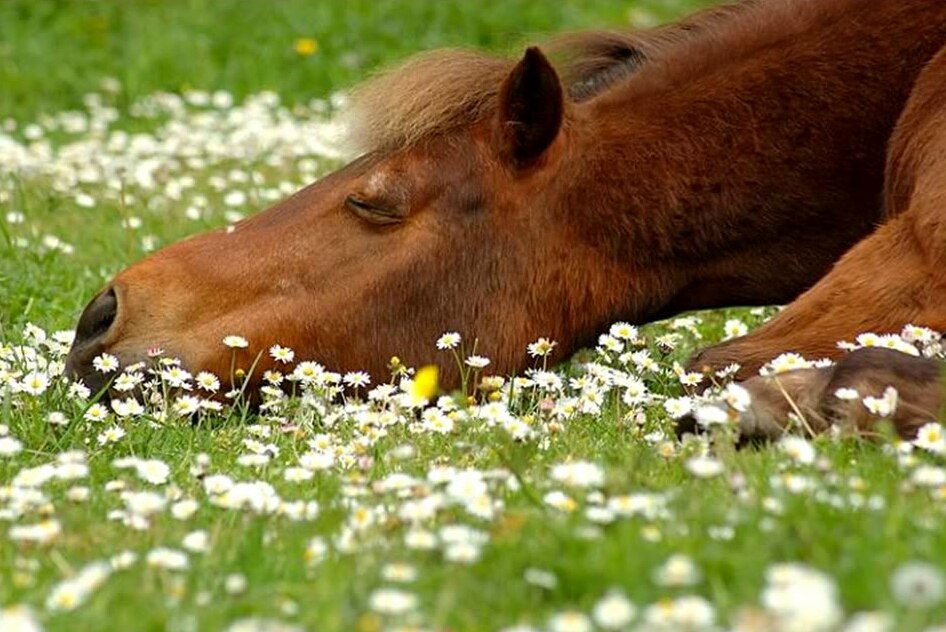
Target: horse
727	159
894	276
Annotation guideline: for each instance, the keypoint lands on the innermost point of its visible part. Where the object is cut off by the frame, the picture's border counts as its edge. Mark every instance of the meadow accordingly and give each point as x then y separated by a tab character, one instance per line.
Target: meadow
558	500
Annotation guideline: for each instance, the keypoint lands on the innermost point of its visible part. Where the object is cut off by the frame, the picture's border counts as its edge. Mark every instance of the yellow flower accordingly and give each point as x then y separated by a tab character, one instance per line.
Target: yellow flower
425	382
395	366
305	46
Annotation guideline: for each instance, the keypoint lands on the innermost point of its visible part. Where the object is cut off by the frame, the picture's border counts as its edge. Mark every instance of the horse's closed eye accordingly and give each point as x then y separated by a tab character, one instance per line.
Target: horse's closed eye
371	212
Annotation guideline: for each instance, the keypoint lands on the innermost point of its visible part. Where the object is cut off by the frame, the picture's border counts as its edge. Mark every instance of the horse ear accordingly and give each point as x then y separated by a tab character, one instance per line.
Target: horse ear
531	108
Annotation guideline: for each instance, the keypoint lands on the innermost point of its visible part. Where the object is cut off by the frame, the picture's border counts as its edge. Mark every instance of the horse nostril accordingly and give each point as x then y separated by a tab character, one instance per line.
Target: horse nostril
97	317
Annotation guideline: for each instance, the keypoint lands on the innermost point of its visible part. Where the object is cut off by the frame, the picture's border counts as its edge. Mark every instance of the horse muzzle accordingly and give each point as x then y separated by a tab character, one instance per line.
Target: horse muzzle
92	332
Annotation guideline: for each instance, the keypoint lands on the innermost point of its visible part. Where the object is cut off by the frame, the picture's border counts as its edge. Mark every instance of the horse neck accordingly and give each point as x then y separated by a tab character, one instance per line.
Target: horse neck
746	178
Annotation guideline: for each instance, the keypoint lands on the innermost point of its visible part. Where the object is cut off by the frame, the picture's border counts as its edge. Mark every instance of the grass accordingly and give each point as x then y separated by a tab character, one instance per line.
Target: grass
857	513
52	53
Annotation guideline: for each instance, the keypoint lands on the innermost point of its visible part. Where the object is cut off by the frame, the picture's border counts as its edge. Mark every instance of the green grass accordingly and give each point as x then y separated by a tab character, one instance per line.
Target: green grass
51	53
858	519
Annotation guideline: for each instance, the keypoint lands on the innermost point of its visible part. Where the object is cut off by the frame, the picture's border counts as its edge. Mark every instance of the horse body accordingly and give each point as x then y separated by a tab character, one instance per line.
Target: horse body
744	164
729	159
897	275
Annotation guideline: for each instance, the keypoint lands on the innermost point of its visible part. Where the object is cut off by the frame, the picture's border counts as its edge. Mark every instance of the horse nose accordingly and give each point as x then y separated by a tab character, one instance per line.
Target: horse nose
94	324
97	318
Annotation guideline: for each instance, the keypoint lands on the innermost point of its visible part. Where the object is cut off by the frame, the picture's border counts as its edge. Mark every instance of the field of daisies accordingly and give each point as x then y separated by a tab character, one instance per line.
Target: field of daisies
559	500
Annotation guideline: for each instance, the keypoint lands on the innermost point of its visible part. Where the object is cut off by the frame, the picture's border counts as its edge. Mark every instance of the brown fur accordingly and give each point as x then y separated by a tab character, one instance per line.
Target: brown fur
733	165
893	277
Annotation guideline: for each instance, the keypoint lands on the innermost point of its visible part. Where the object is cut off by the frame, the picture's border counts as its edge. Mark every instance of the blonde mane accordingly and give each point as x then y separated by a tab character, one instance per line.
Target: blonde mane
434	92
429	93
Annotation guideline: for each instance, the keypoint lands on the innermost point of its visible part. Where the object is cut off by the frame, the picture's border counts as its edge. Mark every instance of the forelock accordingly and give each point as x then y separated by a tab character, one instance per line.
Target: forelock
429	94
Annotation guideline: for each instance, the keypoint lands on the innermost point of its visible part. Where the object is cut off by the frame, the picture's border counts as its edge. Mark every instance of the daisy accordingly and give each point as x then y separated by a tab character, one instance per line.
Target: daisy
9	446
34	383
392	601
420	540
561	501
541	348
579	474
168	559
196	542
44	532
316	550
236	342
623	331
449	340
184	509
297	474
399	572
436	421
235	583
678	407
110	435
610	343
105	363
153	471
922	335
704	467
477	362
867	339
96	412
128	407
635	392
788	362
896	343
847	394
176	377
186	405
461	552
929	476
65	596
570	621
127	381
308	371
930	437
273	378
690	379
207	381
737	397
883	406
283	355
798	450
357	379
711	415
733	328
678	570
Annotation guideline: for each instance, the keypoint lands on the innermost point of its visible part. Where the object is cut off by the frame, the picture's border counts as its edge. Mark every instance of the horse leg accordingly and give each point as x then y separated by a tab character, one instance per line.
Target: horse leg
890	279
814	400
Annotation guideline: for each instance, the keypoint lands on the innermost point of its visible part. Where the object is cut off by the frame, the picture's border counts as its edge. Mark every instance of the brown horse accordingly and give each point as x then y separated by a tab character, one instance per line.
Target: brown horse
729	159
895	276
